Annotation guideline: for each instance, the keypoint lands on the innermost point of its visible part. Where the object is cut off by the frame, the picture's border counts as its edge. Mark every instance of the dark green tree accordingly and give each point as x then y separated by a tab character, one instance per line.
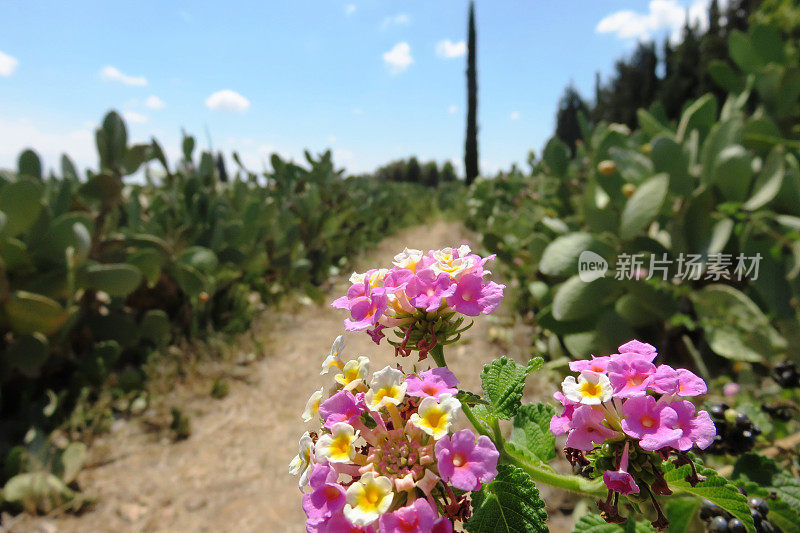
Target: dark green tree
413	171
448	172
568	127
471	166
430	174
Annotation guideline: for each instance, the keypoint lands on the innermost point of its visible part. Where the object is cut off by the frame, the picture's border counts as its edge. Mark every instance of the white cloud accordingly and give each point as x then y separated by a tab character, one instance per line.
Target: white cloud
154	102
398	58
331	139
662	15
452	109
514	115
133	116
227	100
110	73
447	49
7	64
49	141
400	19
349	9
358	111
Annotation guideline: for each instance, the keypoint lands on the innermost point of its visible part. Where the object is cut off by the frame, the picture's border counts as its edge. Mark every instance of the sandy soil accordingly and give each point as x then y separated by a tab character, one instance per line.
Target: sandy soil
231	474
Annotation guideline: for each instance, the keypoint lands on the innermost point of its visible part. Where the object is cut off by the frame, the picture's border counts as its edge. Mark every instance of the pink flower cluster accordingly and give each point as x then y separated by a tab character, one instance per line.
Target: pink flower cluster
625	397
439	281
386	457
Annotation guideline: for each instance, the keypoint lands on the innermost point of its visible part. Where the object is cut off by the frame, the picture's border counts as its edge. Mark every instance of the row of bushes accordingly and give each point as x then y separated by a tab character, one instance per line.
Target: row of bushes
97	272
721	183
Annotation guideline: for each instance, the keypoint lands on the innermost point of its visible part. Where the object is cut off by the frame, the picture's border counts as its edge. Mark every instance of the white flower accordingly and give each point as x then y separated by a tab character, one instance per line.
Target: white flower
447	262
408	258
435	417
354	373
338	446
303	462
333	358
368	498
312	405
386	386
590	388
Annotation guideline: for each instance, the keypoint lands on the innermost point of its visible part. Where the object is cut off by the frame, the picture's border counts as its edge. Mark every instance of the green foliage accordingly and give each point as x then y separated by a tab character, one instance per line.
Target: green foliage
716	187
503	381
715	488
763	477
99	271
593	523
509	504
531	430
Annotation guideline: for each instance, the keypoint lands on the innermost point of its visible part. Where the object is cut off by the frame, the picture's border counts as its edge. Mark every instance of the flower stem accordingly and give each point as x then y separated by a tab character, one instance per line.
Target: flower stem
542	473
437	353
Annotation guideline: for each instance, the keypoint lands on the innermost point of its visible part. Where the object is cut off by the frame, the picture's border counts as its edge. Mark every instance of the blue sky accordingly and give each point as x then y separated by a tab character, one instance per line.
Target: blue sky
373	80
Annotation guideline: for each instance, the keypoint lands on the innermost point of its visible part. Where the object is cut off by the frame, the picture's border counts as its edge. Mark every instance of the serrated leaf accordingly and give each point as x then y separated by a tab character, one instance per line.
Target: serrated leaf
680	512
470	398
502	381
594	523
509	504
763	477
715	488
531	430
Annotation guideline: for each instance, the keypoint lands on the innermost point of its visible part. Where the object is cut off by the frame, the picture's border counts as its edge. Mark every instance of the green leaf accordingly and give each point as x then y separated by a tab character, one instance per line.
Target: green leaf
155	327
594	523
118	279
556	155
560	257
29	312
724	76
734	325
29	164
715	488
644	206
576	298
509	504
650	124
700	115
681	512
633	166
502	381
531	430
669	156
470	398
742	52
20	201
28	353
769	180
763	477
72	460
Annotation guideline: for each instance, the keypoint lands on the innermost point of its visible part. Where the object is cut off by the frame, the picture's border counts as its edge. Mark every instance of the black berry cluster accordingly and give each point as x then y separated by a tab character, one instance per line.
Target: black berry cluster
786	375
736	433
720	521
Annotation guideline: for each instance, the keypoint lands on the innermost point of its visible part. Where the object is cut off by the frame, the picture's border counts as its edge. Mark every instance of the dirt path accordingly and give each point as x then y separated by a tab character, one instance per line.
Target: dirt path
231	474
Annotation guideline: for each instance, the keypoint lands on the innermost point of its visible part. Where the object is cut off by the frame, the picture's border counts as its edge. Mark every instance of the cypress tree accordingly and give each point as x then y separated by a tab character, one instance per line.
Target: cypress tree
471	144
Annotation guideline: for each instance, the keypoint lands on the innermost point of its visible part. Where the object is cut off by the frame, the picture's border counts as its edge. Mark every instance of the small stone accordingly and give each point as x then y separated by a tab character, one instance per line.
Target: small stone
131	512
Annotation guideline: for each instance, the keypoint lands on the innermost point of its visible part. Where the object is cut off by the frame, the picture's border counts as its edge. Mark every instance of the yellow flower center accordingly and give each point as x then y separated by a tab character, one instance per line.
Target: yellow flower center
340	447
436	419
370	498
380	394
591	390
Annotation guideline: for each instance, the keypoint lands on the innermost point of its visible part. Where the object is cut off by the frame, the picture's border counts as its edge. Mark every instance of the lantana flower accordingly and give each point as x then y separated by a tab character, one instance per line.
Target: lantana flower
622	408
334	358
353	373
435	415
303	462
385	459
464	463
312	405
424	295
